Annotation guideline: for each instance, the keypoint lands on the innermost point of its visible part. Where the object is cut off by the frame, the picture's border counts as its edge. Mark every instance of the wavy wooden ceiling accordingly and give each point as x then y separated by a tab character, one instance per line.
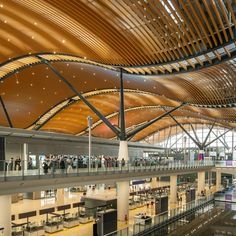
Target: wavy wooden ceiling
163	46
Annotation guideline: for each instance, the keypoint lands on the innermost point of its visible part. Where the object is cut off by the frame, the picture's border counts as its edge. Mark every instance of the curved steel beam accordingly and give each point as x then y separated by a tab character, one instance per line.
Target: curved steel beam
187	123
74	58
44	118
192	115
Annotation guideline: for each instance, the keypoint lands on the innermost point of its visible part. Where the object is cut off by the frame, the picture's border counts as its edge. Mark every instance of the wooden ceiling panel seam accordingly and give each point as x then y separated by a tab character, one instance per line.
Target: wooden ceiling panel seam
206	21
194	26
174	12
210	91
60	18
194	90
182	14
210	13
199	23
102	31
20	18
155	35
222	7
161	23
100	26
232	12
139	48
172	26
124	45
146	37
216	11
216	76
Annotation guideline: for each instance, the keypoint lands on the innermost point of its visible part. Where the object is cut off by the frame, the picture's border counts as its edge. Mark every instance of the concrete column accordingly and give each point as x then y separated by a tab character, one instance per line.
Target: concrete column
36	195
25	155
123	187
200	182
218	181
173	189
60	196
154	183
123	200
5	219
123	151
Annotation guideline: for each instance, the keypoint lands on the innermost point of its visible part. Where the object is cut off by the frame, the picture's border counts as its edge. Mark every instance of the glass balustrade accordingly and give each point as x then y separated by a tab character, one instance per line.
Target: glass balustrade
52	169
154	221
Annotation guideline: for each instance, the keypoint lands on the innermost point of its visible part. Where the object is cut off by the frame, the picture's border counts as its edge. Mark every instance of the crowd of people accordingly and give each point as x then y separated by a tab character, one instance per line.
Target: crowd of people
68	162
13	164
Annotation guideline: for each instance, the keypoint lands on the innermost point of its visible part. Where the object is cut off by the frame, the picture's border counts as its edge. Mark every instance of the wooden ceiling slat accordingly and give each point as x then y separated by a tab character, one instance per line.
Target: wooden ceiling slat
161	50
199	23
174	12
162	22
161	31
173	28
231	12
206	22
222	6
146	37
130	22
215	9
186	21
193	23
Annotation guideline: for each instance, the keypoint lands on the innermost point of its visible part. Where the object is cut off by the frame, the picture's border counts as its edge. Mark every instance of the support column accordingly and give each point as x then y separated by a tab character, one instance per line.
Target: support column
122	190
154	183
200	182
25	155
5	219
123	200
173	189
60	196
218	180
2	153
123	151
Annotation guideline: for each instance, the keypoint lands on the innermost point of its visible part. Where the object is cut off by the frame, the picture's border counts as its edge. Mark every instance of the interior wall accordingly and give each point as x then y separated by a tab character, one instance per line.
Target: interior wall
14	146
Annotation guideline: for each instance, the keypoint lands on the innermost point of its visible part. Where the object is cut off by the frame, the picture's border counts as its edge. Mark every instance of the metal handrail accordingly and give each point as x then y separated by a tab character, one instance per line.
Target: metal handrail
161	218
22	170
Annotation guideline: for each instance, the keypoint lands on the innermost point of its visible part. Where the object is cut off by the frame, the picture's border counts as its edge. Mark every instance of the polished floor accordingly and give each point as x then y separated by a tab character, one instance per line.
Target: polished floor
71	197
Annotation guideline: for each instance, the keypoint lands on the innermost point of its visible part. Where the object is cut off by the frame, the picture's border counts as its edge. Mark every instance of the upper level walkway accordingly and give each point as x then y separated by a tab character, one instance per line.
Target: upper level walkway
227	167
56	176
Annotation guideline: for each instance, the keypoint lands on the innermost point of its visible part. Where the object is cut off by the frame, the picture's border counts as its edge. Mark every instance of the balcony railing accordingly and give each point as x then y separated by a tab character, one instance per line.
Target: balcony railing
161	219
53	169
